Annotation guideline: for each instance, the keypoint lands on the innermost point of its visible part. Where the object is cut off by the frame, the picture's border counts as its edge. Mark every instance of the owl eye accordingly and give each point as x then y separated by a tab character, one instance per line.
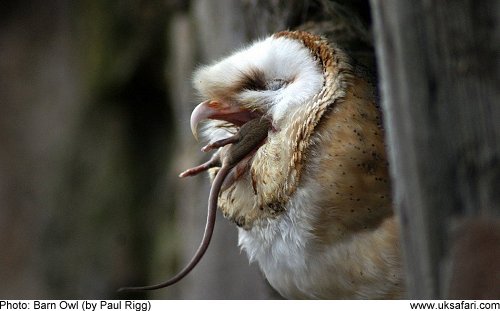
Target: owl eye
275	84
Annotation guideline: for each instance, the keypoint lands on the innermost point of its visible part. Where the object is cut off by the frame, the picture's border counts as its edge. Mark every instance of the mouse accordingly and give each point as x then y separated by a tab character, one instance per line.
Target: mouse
231	152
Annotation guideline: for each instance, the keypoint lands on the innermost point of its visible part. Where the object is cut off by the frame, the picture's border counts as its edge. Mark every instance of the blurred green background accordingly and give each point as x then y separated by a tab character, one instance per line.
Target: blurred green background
95	98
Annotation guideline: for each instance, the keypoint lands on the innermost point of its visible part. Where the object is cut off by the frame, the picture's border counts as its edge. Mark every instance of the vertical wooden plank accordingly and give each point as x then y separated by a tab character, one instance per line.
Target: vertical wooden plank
438	66
403	84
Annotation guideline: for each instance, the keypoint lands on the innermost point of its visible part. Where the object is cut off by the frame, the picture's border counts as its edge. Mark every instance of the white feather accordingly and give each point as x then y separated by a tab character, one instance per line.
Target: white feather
285	246
297	267
279	59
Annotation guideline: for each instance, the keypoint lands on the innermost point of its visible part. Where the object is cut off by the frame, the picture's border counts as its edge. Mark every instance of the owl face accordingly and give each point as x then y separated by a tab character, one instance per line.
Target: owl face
286	78
272	77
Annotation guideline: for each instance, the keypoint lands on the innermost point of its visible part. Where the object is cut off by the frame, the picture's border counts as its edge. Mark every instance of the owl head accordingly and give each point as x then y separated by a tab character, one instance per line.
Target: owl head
290	78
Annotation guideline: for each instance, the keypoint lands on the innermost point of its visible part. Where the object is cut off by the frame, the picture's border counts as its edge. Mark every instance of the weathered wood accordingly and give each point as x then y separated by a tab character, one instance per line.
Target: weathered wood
474	269
438	66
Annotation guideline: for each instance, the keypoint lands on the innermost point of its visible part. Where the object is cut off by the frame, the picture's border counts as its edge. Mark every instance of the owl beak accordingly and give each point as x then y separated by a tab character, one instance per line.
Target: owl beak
217	110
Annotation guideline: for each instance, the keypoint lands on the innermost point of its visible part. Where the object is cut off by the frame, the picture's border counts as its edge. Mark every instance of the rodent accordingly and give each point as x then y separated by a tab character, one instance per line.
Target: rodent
231	151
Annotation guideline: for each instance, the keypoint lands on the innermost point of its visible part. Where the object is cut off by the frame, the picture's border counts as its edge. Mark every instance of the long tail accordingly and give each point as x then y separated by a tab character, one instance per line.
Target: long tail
207	236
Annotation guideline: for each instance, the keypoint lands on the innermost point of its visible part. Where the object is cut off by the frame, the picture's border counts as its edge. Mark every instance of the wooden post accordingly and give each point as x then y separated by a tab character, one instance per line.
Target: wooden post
439	78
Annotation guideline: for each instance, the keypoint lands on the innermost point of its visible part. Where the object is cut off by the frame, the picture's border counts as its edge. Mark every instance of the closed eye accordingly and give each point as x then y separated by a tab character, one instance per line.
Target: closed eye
276	84
255	80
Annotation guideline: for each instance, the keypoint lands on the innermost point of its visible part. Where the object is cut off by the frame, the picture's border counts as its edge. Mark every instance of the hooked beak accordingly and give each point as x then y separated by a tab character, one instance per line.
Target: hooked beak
216	110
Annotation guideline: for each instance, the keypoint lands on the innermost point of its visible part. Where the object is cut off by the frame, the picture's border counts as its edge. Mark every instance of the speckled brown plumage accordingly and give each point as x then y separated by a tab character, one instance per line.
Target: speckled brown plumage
313	202
299	163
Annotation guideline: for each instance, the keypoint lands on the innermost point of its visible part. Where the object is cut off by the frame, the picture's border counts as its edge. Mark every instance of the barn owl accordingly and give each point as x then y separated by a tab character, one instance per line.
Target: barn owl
299	165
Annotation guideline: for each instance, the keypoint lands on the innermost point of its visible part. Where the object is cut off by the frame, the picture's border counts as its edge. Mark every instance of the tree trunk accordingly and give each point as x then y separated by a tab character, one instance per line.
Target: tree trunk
439	76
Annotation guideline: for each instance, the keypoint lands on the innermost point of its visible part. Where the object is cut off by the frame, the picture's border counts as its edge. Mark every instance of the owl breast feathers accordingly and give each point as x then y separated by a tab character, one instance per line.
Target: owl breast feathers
312	200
